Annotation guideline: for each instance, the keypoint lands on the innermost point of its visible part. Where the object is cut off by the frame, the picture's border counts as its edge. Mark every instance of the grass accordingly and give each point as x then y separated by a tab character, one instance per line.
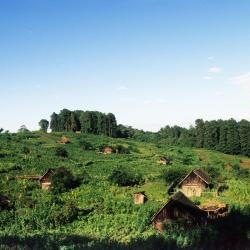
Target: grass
108	213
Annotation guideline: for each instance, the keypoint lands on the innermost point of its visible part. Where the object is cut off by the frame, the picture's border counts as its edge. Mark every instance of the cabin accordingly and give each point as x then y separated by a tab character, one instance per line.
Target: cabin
194	183
107	150
4	202
164	161
139	198
215	211
45	179
179	207
64	140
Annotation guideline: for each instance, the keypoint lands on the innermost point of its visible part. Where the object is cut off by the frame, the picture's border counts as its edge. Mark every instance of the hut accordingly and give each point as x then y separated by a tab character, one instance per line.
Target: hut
215	210
107	150
45	179
179	207
64	140
194	183
139	198
4	202
164	161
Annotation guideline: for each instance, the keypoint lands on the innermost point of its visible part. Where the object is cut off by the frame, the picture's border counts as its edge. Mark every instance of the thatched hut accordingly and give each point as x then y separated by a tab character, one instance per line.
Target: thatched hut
139	198
178	207
164	160
107	150
194	183
215	210
64	140
45	180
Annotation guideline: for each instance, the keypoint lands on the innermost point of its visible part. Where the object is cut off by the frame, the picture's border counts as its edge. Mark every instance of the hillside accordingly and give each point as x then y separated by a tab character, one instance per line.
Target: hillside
99	214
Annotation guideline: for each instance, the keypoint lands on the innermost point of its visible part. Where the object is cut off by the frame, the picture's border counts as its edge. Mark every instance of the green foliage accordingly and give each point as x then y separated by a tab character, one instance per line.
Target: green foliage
61	152
44	125
174	175
124	178
63	180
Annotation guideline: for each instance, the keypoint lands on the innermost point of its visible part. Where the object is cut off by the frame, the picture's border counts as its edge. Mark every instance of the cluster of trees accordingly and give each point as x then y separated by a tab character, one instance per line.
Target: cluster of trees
227	136
85	121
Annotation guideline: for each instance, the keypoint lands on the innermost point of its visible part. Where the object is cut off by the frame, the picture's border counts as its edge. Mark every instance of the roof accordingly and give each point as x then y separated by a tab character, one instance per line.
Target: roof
180	198
200	173
49	171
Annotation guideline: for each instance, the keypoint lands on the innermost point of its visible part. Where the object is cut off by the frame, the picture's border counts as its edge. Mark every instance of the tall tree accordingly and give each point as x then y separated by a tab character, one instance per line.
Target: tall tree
244	134
54	122
233	139
44	125
199	128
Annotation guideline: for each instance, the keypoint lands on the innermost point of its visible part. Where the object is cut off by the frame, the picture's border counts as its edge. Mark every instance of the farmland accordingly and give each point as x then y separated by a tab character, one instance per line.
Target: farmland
99	213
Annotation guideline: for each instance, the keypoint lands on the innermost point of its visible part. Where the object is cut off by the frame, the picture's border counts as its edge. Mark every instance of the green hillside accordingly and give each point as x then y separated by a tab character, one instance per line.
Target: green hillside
99	214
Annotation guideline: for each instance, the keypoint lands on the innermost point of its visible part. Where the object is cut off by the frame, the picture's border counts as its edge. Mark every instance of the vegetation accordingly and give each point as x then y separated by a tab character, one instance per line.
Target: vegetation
90	204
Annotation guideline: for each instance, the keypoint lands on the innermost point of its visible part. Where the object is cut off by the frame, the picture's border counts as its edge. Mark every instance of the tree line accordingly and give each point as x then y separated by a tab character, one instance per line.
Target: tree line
227	136
85	121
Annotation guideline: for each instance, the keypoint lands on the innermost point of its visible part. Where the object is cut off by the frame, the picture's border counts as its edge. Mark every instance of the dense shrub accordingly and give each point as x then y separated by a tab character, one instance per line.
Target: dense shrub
174	175
63	180
61	152
85	145
124	178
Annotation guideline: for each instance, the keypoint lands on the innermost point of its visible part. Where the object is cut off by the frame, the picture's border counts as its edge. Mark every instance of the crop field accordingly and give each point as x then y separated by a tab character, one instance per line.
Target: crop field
99	212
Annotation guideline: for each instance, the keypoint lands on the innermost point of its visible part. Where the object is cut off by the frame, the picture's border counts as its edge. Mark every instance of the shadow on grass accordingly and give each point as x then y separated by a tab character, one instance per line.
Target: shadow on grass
231	232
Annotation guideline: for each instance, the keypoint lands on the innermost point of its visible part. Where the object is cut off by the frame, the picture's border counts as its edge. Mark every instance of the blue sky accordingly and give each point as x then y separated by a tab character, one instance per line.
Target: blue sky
150	62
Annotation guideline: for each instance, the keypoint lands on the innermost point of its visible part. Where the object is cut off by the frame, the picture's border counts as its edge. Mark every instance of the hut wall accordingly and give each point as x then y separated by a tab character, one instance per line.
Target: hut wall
46	185
139	198
193	185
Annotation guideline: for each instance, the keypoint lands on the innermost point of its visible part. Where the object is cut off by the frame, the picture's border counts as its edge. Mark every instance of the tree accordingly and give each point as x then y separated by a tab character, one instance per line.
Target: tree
233	139
44	125
63	180
54	122
199	126
23	129
244	134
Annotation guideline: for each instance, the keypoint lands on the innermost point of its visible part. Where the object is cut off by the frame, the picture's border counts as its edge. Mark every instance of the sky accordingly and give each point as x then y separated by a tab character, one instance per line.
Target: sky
150	62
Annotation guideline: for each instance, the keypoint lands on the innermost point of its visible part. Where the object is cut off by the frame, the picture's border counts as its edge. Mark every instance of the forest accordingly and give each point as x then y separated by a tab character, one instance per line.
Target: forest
227	136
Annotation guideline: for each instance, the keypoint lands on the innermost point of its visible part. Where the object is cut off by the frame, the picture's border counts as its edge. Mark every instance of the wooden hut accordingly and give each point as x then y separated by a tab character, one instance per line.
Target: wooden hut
4	202
139	198
107	150
194	183
64	140
164	161
179	207
45	180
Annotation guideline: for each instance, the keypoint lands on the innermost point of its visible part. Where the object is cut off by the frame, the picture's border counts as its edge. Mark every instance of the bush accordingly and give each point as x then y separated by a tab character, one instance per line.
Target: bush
63	180
85	145
123	178
174	175
61	152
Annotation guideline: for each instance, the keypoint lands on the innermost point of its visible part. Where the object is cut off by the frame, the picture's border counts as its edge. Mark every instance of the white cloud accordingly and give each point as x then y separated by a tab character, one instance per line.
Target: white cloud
210	58
122	88
243	81
207	78
215	70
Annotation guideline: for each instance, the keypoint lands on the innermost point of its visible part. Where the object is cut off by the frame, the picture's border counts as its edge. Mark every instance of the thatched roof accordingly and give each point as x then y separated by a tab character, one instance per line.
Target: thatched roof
180	198
64	140
201	174
50	171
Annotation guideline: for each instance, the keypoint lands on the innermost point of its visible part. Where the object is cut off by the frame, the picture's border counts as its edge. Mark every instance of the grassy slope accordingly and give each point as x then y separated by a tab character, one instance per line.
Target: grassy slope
113	213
